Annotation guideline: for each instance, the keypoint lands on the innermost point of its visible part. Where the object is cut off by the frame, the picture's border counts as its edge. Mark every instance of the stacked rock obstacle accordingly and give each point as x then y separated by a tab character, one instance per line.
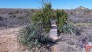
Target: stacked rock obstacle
53	35
53	31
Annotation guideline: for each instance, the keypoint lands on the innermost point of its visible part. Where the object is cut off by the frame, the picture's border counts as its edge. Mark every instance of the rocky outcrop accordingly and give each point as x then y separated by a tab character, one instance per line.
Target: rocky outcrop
80	14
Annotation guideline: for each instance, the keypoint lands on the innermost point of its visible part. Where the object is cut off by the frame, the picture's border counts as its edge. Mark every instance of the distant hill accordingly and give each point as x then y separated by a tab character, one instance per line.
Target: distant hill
20	17
14	17
80	14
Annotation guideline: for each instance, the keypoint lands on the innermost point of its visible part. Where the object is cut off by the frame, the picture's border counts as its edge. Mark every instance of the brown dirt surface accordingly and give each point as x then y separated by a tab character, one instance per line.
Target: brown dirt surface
8	40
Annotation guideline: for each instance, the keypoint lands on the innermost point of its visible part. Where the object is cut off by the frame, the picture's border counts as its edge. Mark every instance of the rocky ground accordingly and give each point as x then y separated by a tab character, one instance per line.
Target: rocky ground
9	42
11	21
67	42
74	43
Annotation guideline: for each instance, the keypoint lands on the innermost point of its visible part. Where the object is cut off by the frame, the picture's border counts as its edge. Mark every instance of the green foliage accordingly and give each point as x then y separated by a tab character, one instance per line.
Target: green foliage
34	36
68	28
43	17
62	25
61	19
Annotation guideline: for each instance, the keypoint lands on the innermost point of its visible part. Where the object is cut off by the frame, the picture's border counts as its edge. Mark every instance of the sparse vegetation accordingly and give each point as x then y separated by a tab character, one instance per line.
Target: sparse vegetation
62	25
1	17
69	28
12	16
34	36
43	17
61	19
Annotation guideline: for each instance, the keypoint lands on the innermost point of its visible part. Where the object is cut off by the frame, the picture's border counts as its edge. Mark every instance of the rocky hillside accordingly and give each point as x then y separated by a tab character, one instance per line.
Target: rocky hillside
14	17
20	17
67	43
80	14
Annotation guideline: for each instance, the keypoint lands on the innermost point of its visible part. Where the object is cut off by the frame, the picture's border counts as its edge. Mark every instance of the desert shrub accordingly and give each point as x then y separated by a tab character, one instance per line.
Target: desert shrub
32	10
11	13
20	17
63	25
43	16
1	17
13	16
69	28
16	12
61	17
34	36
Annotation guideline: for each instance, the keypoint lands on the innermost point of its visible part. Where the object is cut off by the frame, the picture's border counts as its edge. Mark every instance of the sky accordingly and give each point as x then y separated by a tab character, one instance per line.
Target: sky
36	4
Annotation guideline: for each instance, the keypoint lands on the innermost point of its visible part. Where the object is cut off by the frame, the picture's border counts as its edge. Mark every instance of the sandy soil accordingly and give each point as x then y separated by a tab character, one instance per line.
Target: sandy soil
8	40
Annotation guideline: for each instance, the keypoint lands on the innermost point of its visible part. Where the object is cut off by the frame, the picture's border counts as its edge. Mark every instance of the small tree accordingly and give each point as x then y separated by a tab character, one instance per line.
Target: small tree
61	19
43	17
